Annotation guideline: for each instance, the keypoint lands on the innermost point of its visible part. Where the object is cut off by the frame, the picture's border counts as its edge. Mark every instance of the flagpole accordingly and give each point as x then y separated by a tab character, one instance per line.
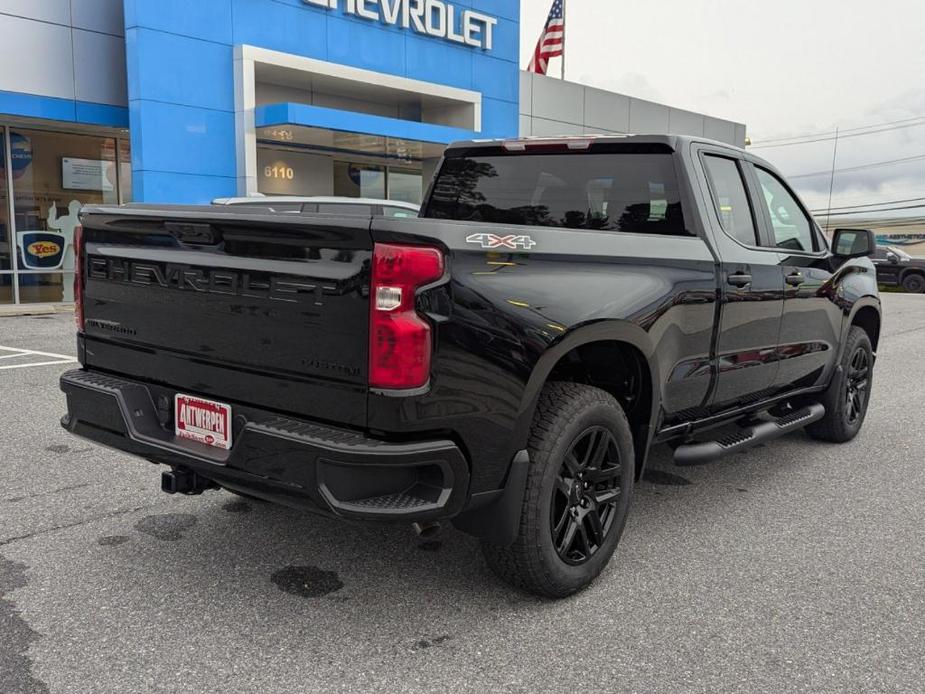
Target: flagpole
564	29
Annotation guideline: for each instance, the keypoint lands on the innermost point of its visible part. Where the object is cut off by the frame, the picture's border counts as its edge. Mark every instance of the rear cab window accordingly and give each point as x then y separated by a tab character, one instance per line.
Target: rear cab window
618	188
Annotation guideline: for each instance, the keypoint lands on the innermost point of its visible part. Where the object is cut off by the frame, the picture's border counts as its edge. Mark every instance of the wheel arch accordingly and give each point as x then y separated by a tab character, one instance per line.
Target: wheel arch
866	315
579	356
910	271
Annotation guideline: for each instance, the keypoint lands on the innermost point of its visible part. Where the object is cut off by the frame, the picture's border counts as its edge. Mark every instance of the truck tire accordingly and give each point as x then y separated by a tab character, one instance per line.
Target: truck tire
579	487
914	282
848	395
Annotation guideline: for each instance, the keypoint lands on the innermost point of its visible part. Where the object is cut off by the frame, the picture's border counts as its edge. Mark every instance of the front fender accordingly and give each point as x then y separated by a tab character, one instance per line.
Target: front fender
868	301
857	290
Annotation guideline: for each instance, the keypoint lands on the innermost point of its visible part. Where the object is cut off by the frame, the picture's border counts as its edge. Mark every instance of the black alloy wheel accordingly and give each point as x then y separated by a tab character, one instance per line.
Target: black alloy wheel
856	391
848	395
578	493
585	496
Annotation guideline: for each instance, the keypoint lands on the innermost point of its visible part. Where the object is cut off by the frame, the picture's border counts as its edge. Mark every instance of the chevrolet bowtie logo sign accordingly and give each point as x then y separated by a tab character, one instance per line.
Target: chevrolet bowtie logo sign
431	17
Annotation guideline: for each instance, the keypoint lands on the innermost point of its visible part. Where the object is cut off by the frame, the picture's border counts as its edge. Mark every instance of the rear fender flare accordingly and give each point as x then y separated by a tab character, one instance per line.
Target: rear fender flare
605	331
864	302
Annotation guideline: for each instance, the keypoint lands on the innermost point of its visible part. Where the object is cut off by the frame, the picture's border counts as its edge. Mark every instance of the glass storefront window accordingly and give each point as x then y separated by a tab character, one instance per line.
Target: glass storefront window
283	171
6	288
54	175
359	180
6	245
49	288
125	171
406	185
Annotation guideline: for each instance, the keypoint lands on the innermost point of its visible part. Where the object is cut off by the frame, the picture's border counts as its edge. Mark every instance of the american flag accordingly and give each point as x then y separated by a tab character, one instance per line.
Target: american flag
552	40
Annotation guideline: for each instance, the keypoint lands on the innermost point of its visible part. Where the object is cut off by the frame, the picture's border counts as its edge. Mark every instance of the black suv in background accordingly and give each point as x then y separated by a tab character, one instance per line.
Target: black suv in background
505	362
896	268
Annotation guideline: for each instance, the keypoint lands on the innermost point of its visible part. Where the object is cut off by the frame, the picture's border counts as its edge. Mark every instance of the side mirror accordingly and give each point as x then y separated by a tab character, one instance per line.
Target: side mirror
892	258
854	243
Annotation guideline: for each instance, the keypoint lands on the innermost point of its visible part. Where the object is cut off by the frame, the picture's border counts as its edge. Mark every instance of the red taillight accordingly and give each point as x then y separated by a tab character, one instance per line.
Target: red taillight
78	277
399	339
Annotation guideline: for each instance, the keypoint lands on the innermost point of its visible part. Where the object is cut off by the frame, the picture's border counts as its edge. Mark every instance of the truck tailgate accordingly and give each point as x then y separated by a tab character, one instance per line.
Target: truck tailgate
269	310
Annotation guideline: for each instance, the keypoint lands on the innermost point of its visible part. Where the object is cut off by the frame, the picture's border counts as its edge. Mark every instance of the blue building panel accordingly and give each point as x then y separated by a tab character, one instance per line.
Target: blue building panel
101	114
34	106
181	79
497	117
508	9
507	41
179	70
494	78
367	46
162	187
209	20
294	28
67	110
182	139
441	62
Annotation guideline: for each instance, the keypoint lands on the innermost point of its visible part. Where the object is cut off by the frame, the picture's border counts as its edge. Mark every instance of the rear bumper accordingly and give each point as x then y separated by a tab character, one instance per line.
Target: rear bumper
289	461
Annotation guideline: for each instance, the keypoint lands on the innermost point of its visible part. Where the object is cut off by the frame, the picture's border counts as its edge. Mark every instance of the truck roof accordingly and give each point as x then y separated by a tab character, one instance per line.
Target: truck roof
675	142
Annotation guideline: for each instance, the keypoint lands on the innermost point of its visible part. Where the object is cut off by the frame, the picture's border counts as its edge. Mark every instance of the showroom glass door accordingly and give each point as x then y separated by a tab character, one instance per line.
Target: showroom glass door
53	176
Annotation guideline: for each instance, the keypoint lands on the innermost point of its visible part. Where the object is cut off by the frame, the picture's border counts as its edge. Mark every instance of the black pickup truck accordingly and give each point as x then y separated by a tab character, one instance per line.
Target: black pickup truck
504	362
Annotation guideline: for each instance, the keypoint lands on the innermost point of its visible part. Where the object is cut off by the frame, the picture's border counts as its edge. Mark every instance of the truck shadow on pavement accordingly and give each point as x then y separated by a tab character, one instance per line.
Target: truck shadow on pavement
277	555
219	569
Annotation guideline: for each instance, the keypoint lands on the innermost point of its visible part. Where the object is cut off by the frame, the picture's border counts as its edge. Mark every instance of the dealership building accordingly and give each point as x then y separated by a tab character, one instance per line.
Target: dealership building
183	101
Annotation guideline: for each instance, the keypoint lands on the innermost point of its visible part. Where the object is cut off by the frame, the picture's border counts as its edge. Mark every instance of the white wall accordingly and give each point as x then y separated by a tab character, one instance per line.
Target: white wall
549	106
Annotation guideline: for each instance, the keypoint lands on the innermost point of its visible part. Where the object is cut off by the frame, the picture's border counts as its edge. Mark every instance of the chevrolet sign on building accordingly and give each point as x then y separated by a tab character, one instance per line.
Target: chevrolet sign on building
432	17
188	101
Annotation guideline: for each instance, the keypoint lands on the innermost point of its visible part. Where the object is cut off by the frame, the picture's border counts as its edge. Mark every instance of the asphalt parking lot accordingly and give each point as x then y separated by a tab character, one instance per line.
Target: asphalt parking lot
798	566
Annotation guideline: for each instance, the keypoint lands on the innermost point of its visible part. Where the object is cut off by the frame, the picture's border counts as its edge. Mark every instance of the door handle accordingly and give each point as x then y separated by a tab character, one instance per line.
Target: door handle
739	279
794	279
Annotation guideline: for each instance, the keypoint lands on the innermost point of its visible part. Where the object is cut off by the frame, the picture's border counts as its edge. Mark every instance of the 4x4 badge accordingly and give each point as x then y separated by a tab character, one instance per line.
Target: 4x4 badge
495	241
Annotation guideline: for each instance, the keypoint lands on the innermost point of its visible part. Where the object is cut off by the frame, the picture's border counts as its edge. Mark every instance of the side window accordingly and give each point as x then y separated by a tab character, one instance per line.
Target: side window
793	230
351	209
398	212
731	200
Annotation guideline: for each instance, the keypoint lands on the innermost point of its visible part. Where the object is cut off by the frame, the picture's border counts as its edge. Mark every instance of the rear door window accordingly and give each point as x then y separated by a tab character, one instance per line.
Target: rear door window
730	199
631	192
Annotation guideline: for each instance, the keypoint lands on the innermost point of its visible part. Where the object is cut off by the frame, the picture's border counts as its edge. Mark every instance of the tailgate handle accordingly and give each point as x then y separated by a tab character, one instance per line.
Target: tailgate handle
198	234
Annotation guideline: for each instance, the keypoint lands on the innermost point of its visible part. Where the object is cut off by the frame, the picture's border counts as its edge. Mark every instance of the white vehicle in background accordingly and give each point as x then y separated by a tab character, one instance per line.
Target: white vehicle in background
364	207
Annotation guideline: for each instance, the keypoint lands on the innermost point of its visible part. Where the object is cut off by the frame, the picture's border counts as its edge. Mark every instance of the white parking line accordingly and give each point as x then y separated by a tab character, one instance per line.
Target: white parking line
38	363
16	352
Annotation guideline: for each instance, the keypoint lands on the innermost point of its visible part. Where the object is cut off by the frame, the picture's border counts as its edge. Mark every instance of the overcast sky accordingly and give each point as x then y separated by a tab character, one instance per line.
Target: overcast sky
782	67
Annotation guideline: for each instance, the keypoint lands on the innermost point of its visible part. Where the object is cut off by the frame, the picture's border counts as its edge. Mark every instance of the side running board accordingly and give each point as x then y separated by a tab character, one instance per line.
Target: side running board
707	451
